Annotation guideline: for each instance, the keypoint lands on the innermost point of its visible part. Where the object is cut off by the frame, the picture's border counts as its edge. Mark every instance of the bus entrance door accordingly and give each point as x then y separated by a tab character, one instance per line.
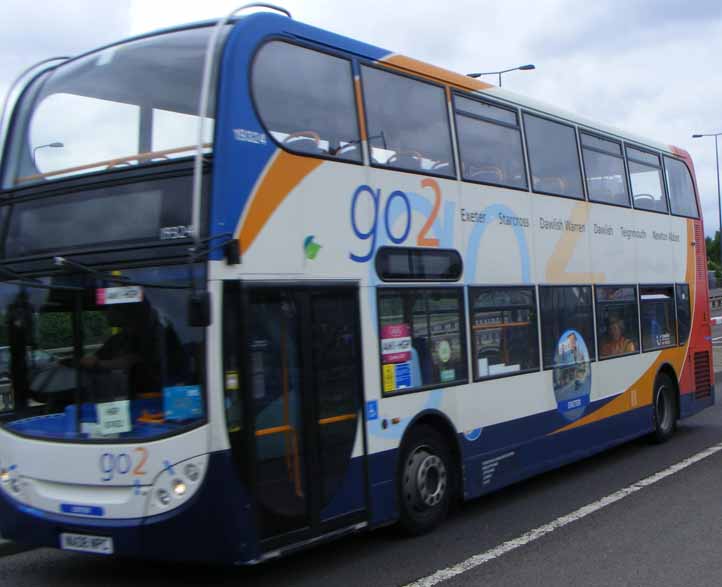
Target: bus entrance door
304	397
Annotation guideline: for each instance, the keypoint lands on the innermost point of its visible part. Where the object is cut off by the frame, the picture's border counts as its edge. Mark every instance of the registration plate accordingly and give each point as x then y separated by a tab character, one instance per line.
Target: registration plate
85	543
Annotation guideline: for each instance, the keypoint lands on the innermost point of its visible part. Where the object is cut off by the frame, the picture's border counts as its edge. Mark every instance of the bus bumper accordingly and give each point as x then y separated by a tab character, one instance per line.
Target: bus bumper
214	526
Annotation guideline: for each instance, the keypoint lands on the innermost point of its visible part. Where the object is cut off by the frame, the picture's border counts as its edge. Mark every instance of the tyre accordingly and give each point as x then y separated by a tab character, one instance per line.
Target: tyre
664	404
425	479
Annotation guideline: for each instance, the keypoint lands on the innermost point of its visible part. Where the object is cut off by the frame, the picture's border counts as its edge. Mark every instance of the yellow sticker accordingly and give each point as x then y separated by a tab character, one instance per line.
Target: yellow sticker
232	380
389	377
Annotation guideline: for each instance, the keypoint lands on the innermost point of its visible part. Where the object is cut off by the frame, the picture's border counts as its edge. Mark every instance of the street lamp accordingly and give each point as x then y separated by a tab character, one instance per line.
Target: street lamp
56	145
719	201
526	67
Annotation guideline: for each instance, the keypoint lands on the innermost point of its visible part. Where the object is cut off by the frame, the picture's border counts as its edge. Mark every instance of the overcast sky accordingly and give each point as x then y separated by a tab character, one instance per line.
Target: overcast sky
648	66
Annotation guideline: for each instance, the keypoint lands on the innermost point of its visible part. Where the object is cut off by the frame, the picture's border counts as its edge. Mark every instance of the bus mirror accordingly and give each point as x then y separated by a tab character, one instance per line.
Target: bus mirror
199	309
232	251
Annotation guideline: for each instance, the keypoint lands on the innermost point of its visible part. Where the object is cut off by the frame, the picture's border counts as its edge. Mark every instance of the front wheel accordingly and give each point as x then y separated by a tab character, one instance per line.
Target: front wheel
665	409
426	481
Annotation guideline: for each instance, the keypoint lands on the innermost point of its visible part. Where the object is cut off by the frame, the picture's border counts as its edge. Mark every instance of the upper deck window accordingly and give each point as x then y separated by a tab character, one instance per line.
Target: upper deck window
126	105
553	157
489	144
408	123
645	172
681	190
604	169
306	100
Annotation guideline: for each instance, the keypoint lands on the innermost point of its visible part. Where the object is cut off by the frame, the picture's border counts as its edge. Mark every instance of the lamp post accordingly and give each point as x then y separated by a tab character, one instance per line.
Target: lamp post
56	145
719	201
526	67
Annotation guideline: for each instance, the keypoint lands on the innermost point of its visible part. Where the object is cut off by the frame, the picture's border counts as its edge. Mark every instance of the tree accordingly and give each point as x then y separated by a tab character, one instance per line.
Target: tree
713	253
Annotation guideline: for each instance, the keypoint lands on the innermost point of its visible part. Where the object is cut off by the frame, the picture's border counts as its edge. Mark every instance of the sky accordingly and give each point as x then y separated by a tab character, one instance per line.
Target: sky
651	67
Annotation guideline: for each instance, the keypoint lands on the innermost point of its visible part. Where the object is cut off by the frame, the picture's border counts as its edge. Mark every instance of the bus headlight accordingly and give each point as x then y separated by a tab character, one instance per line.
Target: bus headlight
4	475
179	488
176	484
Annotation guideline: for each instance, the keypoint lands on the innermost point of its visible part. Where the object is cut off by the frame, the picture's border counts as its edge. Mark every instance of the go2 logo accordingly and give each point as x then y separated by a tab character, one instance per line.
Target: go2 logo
364	192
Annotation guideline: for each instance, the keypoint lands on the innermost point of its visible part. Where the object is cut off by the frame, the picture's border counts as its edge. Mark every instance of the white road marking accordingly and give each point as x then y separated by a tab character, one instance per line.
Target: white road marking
485	557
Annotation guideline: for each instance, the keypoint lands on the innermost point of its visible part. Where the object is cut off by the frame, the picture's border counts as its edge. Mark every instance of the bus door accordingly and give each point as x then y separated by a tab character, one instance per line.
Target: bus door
303	400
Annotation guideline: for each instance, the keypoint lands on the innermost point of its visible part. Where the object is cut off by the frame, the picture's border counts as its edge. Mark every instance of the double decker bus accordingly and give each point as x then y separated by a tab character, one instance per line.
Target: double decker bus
346	291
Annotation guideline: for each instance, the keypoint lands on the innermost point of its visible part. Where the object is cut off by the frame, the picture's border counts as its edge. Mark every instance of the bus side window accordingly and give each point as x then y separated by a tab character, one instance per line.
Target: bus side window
645	174
422	338
604	170
681	190
566	324
504	331
617	321
684	312
306	100
489	144
408	123
553	157
657	313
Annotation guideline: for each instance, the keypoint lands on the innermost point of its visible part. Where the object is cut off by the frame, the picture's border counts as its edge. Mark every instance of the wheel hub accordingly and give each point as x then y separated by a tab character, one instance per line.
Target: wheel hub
425	479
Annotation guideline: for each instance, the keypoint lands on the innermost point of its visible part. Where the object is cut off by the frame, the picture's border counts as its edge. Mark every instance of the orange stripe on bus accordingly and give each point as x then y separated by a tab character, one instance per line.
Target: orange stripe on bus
286	171
435	73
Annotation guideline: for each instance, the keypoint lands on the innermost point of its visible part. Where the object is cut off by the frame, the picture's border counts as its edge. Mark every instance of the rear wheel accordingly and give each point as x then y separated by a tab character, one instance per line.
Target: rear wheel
665	408
425	481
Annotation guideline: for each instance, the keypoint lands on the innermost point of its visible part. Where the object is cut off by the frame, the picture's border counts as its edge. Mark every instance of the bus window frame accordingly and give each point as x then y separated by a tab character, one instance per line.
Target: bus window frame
598	135
535	291
319	49
453	151
461	290
676	311
518	127
582	178
672	286
541	331
694	186
639	324
660	157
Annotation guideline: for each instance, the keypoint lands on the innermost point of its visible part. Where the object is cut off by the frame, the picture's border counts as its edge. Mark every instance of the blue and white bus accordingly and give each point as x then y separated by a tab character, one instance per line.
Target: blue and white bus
263	285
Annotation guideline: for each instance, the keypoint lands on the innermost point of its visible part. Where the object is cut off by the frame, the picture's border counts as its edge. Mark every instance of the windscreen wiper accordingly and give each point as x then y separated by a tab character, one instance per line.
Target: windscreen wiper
120	279
11	275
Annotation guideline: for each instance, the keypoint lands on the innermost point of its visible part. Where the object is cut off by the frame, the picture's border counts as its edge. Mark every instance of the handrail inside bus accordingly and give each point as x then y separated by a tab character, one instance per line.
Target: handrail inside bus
108	163
208	66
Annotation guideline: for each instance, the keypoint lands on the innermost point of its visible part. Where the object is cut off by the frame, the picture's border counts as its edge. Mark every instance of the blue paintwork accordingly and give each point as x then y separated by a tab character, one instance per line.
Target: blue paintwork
237	165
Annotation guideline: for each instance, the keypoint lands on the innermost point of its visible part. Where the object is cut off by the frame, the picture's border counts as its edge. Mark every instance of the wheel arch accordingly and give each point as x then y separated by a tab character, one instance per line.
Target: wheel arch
445	427
669	370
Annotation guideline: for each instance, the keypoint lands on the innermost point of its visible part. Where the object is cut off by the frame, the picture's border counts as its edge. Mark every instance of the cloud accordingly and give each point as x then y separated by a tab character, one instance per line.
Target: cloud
31	31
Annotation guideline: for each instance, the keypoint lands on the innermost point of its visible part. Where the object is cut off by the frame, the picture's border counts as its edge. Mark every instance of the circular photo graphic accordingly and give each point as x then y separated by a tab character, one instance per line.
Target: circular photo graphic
572	375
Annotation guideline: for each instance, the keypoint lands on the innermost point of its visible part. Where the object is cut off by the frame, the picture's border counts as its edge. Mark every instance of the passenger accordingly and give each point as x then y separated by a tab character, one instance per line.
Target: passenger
616	343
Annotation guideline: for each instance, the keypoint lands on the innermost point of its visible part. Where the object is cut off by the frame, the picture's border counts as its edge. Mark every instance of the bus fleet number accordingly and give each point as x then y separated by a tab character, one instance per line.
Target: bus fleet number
365	192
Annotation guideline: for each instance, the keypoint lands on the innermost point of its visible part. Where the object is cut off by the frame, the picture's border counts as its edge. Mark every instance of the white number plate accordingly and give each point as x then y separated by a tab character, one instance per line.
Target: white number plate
85	543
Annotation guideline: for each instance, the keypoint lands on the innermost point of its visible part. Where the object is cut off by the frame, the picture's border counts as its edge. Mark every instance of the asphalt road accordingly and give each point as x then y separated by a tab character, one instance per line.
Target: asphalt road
669	533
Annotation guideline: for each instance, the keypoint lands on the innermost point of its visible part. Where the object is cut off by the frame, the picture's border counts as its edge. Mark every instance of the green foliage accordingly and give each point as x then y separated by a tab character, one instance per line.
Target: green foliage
713	254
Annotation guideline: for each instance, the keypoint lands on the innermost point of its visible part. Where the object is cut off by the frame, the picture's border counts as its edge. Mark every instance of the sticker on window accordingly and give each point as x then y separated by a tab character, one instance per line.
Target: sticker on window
396	343
114	417
572	375
131	294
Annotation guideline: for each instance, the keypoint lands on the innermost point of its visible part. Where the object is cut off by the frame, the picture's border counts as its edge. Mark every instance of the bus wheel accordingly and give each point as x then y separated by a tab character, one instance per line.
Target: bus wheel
665	409
426	481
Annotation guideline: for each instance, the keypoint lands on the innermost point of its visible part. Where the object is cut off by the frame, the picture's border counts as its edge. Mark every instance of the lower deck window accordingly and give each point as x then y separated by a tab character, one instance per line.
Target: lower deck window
658	320
422	338
617	321
504	334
